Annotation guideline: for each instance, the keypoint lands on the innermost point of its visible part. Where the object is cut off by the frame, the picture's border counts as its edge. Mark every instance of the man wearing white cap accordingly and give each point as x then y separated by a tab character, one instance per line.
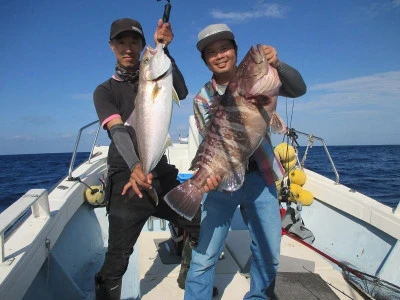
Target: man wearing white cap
257	197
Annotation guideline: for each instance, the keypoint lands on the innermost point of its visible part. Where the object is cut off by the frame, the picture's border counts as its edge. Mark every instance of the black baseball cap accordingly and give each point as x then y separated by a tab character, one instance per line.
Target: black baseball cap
126	24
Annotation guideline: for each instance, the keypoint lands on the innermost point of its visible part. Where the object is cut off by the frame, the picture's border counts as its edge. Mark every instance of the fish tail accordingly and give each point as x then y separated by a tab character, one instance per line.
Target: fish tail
153	195
277	124
185	199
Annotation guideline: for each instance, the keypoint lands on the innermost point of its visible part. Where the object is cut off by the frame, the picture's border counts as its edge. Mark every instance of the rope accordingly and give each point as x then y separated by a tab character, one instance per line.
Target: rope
93	191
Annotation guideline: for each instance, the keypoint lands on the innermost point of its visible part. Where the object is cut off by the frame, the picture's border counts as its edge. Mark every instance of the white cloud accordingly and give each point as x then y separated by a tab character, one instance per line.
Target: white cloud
22	138
38	120
378	8
378	91
377	82
361	110
272	10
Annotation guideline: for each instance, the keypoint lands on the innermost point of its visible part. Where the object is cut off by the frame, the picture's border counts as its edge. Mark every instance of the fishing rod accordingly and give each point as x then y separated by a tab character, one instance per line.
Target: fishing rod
167	11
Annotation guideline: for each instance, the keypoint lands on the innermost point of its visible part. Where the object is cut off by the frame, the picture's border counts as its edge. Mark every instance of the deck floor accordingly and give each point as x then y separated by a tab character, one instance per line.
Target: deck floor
303	274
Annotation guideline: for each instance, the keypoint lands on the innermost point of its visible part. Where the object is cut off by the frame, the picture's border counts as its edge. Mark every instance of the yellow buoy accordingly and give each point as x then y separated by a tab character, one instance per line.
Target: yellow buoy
297	176
285	152
95	195
306	197
287	165
295	191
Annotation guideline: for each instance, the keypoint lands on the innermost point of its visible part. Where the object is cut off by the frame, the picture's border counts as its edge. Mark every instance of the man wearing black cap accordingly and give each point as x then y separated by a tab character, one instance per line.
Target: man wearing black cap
257	196
114	103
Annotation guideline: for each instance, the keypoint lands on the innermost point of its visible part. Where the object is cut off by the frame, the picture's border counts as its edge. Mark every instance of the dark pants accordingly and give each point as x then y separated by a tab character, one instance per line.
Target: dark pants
129	213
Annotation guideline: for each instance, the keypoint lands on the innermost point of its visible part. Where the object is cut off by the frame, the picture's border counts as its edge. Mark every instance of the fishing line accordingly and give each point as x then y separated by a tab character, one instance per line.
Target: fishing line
259	2
289	122
93	191
286	136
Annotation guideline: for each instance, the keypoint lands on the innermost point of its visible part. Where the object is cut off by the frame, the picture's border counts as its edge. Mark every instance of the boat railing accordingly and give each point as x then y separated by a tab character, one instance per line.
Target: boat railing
292	133
36	199
72	163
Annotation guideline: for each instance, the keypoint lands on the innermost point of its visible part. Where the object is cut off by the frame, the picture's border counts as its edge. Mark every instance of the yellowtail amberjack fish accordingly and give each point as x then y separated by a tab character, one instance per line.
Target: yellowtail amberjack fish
152	115
239	122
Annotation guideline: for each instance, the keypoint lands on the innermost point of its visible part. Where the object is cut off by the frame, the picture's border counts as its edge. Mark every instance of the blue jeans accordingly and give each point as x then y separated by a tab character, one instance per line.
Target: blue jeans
260	211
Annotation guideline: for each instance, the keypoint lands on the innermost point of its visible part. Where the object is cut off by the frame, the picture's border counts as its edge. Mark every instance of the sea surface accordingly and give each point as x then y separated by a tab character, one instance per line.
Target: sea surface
371	170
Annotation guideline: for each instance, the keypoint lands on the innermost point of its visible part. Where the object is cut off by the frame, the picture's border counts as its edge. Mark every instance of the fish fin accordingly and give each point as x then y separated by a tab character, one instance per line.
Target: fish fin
233	181
175	97
168	142
185	199
277	124
153	195
156	90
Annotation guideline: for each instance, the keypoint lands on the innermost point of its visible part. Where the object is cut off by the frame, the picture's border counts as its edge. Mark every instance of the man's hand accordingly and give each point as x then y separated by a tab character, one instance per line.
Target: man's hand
271	55
212	183
138	181
163	33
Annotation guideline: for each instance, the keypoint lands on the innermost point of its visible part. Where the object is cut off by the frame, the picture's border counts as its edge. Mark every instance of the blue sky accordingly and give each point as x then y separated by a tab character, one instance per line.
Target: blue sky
55	53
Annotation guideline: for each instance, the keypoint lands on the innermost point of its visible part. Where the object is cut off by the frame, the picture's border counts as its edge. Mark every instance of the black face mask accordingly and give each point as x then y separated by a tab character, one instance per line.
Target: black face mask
130	76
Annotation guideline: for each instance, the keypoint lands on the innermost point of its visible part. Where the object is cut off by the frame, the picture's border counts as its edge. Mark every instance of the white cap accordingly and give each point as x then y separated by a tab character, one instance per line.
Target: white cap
214	33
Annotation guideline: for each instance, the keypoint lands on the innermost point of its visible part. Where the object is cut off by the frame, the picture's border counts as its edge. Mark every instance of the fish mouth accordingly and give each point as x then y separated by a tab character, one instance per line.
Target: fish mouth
154	51
157	63
258	54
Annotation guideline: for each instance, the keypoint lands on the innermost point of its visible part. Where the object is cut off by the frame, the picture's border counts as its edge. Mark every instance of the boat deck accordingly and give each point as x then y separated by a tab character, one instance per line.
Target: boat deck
303	274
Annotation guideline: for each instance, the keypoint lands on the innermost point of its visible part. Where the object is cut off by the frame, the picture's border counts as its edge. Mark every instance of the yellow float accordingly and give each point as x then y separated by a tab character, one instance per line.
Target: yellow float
297	176
298	194
306	197
287	165
285	152
95	195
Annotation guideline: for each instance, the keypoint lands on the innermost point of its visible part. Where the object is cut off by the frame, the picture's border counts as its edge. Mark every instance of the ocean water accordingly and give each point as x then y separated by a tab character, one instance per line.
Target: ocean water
23	172
371	170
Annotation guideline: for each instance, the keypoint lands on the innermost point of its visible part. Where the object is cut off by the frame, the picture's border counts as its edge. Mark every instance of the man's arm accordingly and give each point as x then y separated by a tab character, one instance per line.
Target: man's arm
293	84
163	34
178	80
123	143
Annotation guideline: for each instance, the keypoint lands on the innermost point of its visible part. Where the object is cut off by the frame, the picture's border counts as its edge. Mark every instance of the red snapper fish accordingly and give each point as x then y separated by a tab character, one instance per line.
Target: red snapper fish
238	123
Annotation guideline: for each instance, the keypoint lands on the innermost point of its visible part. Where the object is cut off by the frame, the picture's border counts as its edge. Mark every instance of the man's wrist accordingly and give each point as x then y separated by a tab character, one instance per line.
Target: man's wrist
278	66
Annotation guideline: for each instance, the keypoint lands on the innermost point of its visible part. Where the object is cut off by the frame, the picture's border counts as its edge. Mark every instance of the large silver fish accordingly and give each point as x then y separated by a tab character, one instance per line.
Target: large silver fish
238	124
151	117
